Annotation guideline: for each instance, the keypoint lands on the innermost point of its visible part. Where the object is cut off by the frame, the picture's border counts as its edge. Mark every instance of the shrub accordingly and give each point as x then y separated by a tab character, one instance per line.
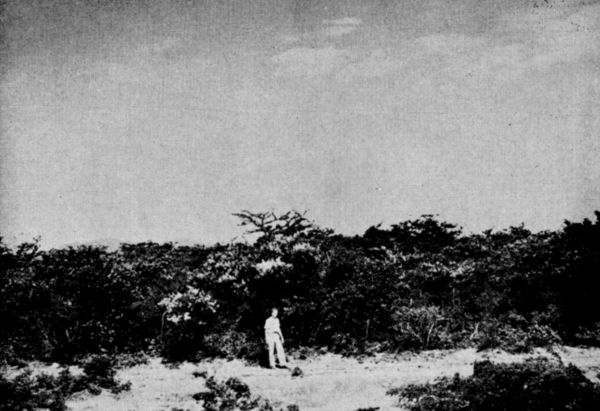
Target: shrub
420	328
418	285
589	335
44	391
534	385
303	353
233	395
234	344
184	322
8	355
502	336
20	393
542	335
99	371
130	360
513	339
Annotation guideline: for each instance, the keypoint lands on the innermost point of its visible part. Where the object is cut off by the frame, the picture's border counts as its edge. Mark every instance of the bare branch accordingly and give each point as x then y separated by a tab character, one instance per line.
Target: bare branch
270	224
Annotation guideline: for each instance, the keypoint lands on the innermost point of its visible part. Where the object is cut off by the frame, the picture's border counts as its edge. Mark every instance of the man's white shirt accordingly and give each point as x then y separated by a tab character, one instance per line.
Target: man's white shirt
272	326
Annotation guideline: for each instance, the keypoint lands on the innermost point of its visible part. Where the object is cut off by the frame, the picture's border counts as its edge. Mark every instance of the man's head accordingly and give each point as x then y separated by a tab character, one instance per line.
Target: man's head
274	312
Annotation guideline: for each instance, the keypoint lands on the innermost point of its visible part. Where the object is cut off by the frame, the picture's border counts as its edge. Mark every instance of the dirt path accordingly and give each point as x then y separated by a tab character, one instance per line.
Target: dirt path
329	383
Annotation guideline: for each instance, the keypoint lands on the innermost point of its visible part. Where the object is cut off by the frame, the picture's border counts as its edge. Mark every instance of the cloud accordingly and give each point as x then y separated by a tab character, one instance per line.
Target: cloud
563	33
169	47
563	39
346	21
290	39
448	44
340	27
328	29
521	44
377	64
309	62
336	31
545	39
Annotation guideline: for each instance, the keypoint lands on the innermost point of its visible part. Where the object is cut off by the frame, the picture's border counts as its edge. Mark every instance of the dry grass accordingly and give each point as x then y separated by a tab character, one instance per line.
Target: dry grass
330	382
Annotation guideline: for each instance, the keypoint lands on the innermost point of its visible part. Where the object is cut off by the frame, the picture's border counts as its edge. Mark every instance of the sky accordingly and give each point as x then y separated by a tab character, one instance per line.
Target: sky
156	120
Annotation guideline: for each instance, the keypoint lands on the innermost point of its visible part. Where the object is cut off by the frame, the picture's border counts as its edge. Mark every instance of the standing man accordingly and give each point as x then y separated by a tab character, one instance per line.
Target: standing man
274	340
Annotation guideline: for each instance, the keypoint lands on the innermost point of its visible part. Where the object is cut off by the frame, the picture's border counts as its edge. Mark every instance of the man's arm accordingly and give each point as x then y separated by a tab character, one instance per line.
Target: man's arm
279	331
265	329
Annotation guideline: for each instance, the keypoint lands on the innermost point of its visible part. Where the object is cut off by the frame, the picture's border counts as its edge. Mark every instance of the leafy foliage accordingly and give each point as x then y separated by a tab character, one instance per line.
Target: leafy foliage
25	392
420	284
233	395
535	385
45	391
99	371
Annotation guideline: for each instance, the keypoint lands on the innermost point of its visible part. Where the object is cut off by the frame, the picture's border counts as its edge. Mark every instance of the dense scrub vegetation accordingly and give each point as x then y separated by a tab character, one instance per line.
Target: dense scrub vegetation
25	392
534	385
418	284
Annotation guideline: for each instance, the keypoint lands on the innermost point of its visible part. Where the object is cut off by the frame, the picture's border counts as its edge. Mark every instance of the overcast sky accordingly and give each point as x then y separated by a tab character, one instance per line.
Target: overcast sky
155	120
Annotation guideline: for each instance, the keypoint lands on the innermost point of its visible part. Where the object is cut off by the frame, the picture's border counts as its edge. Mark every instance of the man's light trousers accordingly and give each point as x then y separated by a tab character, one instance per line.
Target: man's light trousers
275	345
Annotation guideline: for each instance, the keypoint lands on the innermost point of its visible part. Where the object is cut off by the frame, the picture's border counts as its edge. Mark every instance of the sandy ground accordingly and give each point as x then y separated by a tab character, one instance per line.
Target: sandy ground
330	382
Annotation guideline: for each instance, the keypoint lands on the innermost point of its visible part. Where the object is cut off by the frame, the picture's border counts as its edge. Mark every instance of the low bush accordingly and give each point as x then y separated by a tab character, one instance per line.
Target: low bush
8	355
534	385
503	336
514	338
542	335
304	353
589	336
234	395
22	393
45	391
130	360
233	344
420	328
100	371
